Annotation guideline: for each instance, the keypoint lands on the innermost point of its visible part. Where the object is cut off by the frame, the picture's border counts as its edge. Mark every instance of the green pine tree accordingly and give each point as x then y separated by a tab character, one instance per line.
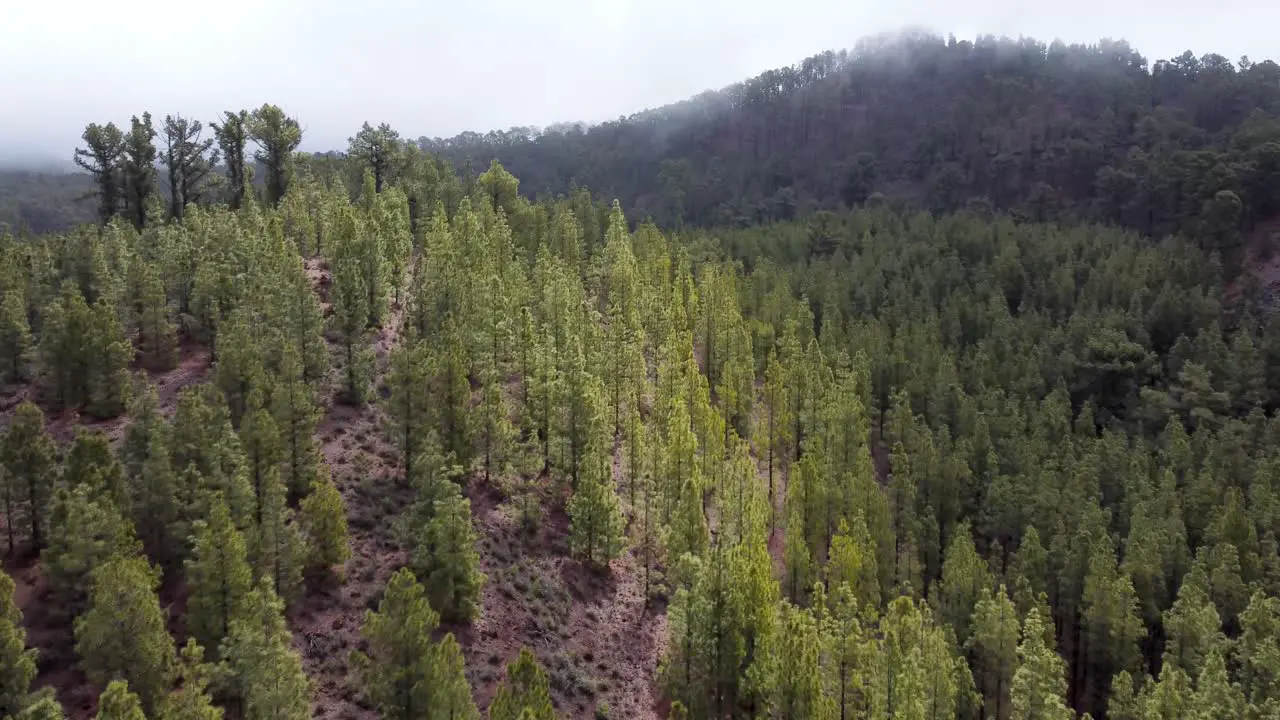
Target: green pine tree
265	672
157	509
964	577
452	695
296	415
27	454
993	647
409	406
277	546
44	707
398	671
91	464
524	694
118	703
596	527
157	335
109	354
15	337
446	560
349	296
192	701
323	517
86	530
1039	685
17	661
122	635
218	577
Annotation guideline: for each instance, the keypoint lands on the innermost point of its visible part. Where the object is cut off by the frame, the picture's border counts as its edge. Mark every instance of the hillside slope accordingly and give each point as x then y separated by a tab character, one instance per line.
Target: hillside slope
1048	132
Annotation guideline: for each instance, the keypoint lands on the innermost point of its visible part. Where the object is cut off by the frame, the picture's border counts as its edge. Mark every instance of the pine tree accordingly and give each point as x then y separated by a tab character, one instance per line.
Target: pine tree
186	162
596	528
452	695
451	389
964	577
1039	685
850	653
15	337
110	353
260	440
145	424
157	336
66	333
1193	627
497	435
296	415
86	529
1217	697
239	371
398	673
277	547
192	700
852	562
446	560
349	296
303	323
688	533
1258	651
118	703
102	160
91	464
218	577
323	518
265	672
156	507
232	135
777	420
17	662
206	453
122	634
44	707
1111	624
277	136
582	418
799	690
524	694
409	405
379	148
993	646
138	169
27	454
804	528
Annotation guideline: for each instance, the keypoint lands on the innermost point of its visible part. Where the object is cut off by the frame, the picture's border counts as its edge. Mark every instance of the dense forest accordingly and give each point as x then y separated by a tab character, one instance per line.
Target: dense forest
355	435
1047	132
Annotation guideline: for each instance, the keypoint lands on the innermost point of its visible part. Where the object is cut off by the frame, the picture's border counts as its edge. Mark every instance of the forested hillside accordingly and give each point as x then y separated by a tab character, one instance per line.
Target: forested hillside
353	435
1048	132
43	201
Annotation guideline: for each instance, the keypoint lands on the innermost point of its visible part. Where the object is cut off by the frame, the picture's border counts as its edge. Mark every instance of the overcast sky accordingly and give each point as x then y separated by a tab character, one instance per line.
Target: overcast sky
438	68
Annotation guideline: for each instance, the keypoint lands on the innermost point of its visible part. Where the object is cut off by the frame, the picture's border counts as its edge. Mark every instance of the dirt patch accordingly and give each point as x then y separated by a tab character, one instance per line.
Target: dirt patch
590	630
51	633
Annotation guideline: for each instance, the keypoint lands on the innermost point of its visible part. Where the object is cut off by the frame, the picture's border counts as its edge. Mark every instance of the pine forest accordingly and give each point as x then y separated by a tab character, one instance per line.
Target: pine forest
792	409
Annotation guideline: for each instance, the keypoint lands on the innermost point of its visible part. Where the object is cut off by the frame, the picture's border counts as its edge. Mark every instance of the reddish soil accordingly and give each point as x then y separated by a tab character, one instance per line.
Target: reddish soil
591	630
